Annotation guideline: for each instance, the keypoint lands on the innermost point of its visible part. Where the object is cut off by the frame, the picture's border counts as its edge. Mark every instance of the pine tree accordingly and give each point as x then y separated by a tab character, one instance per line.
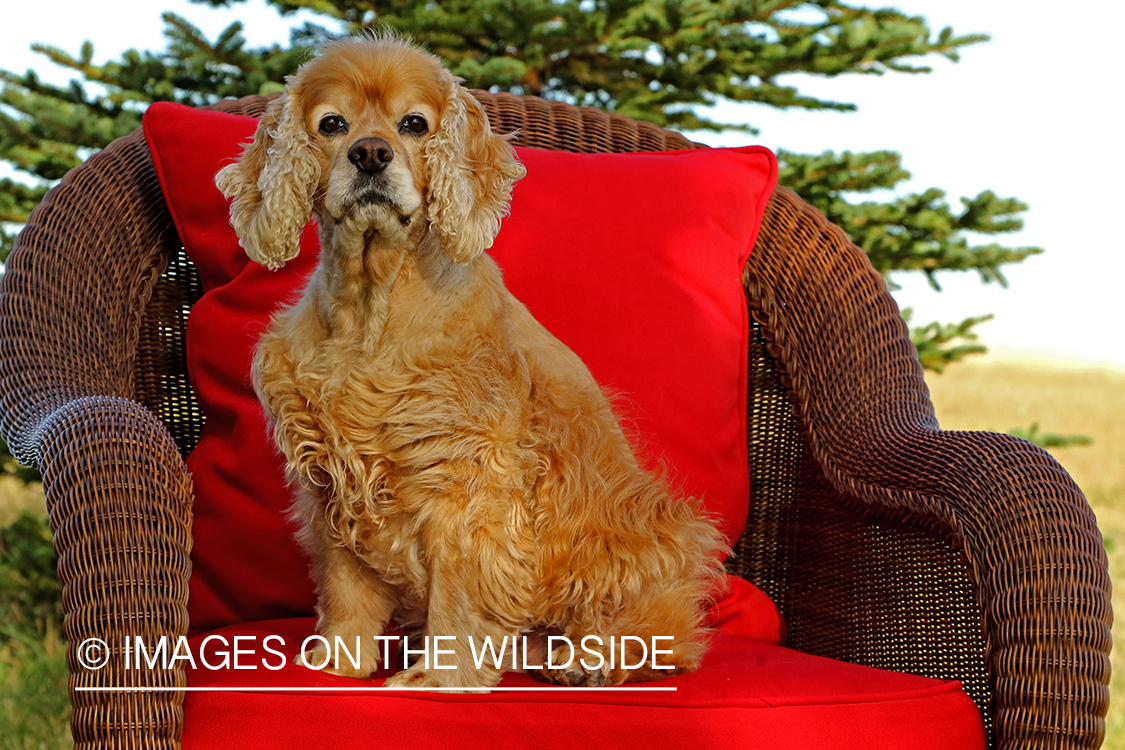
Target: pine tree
665	61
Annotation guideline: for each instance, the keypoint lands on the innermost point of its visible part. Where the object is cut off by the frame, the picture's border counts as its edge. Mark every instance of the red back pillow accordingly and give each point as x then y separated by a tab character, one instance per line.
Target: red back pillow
632	260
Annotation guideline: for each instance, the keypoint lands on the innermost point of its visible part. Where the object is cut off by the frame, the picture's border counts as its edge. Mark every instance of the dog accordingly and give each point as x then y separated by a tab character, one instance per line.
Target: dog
455	466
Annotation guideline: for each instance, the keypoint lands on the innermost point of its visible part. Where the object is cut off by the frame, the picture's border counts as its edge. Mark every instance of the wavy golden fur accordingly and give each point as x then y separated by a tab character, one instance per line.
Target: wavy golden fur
456	467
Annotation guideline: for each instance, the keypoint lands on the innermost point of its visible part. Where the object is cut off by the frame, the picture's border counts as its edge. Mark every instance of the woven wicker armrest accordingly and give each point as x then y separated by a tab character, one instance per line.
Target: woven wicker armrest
1032	546
118	492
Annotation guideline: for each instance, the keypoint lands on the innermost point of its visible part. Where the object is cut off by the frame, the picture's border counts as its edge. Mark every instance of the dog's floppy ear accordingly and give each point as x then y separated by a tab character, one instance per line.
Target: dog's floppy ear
471	173
272	184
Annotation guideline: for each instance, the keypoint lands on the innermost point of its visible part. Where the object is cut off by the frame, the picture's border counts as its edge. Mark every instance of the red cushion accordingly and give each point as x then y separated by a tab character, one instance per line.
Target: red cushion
747	694
633	260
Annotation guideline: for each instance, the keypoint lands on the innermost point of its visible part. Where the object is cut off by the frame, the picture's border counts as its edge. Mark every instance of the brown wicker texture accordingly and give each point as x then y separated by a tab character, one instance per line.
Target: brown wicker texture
883	539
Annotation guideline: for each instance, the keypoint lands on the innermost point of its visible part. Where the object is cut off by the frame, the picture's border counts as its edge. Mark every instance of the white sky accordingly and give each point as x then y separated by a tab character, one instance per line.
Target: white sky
1034	114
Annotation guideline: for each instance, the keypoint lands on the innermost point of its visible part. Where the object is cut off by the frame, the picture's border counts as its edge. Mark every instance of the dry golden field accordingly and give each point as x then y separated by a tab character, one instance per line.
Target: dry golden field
15	496
996	394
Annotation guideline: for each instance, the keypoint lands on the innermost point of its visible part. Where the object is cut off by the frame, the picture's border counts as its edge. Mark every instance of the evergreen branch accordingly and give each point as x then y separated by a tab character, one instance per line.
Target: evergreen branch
59	119
664	61
193	50
323	7
188	32
989	214
29	88
820	178
82	64
940	345
1049	439
860	40
15	194
918	231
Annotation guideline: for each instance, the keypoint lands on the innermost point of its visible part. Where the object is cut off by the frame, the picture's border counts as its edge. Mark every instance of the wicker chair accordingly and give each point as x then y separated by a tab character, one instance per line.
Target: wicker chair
883	540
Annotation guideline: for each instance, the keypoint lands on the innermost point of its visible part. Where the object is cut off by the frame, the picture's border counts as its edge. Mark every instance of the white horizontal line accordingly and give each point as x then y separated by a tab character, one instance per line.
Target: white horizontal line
372	689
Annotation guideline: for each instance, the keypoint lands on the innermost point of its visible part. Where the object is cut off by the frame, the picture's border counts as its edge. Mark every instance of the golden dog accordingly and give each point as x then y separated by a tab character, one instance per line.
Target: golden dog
456	466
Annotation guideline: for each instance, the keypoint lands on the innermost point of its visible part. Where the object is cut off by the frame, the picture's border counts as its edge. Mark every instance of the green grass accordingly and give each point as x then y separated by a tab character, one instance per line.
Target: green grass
34	707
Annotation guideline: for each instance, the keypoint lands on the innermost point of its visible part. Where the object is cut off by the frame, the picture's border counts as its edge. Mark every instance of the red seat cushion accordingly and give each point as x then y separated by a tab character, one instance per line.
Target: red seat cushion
748	694
633	260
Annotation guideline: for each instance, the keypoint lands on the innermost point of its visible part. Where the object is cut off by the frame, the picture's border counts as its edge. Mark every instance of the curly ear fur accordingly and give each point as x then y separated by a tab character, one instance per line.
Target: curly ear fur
272	184
471	173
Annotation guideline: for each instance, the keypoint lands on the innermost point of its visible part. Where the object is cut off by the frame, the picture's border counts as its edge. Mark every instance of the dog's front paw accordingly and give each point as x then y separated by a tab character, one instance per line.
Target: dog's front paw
573	673
575	676
312	659
322	661
424	678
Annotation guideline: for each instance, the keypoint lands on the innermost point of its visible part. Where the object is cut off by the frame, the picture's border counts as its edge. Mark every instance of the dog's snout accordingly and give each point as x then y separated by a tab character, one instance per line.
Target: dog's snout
371	155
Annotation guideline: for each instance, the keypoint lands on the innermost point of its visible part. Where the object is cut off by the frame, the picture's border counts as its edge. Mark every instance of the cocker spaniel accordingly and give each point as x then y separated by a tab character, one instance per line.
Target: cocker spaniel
456	467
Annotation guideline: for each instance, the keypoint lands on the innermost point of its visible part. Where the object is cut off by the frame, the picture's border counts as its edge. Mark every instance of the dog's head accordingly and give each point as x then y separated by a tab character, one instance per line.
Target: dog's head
377	131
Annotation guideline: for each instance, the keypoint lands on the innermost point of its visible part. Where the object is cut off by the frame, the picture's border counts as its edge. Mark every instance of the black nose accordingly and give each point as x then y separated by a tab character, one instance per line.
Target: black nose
371	155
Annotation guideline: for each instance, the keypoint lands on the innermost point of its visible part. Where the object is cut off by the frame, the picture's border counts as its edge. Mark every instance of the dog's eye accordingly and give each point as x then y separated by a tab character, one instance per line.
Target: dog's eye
413	124
333	124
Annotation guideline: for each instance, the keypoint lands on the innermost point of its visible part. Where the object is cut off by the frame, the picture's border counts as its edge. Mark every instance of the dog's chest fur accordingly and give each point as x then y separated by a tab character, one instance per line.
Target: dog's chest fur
407	451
